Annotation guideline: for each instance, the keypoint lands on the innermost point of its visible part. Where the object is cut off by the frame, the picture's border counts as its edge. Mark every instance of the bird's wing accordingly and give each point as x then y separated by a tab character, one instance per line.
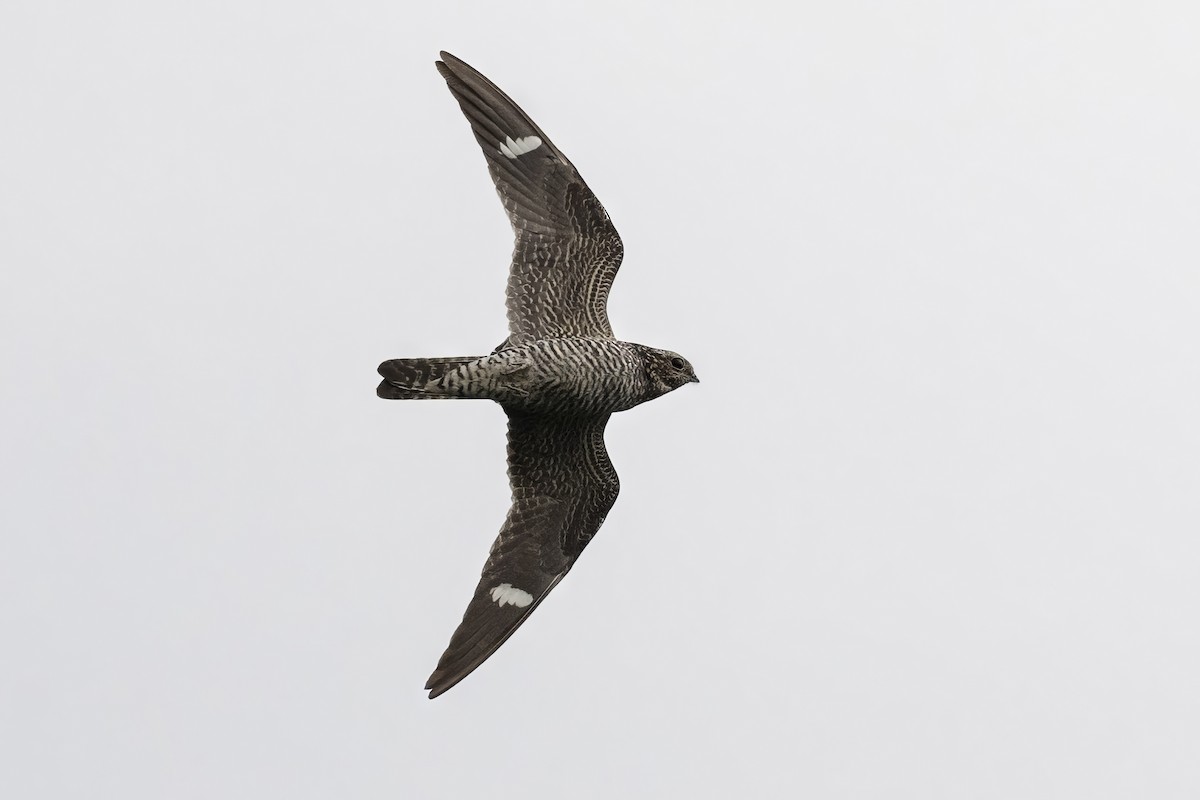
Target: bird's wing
563	485
567	251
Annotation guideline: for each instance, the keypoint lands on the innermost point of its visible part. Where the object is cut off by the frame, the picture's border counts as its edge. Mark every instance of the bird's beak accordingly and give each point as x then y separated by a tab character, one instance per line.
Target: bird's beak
694	379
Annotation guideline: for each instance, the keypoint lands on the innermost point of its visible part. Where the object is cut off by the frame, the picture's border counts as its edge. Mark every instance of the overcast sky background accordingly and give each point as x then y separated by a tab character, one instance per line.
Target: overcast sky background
928	528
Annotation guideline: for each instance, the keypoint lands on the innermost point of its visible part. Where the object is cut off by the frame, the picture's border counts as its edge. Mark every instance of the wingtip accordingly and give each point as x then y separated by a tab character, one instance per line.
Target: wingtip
453	66
437	684
447	61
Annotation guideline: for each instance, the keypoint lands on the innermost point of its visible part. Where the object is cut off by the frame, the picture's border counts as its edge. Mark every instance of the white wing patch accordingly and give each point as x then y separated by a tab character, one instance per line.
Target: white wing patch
520	146
506	594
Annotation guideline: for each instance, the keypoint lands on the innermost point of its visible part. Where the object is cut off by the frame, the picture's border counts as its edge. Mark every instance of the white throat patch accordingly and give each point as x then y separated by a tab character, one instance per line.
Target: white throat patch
518	147
505	593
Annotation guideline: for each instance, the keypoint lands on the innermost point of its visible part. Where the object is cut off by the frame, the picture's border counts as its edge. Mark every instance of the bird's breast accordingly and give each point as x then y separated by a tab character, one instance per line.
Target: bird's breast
577	376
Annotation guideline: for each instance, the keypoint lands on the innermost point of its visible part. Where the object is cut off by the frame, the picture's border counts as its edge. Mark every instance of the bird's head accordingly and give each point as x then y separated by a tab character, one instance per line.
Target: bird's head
667	371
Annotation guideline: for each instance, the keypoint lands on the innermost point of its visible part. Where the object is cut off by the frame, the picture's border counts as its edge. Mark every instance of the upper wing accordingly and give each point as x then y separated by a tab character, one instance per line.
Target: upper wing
562	487
567	251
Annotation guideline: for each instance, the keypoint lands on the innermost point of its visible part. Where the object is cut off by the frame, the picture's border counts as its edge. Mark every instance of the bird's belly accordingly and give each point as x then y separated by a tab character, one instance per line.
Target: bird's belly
579	394
573	385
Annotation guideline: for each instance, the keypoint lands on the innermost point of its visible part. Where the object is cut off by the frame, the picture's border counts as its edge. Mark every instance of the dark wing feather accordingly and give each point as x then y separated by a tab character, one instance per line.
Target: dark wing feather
563	486
567	250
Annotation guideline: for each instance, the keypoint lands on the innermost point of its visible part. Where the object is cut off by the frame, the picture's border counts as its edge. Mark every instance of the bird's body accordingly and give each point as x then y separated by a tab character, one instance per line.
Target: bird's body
569	376
559	375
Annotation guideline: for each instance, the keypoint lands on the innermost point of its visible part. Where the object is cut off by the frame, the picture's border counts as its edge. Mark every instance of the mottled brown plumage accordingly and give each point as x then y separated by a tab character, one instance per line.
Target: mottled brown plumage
559	375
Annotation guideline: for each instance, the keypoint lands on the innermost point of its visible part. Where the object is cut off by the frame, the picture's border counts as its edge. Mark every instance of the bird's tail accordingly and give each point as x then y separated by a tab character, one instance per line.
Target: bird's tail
415	378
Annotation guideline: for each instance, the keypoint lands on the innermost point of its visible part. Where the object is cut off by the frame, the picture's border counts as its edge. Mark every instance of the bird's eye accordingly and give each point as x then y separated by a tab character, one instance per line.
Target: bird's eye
677	363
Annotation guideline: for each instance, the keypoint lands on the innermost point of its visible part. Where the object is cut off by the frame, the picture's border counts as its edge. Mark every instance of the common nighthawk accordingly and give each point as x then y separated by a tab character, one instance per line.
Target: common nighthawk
558	375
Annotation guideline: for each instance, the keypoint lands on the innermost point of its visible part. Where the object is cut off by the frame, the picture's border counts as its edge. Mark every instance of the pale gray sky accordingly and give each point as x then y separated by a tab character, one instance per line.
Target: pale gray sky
927	529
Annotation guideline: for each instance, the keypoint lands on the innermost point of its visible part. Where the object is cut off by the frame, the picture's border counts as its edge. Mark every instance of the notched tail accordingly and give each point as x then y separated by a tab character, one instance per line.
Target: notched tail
413	378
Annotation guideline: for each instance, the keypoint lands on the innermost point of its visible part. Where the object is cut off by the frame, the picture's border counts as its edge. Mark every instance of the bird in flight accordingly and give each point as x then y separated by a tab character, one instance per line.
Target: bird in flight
558	376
